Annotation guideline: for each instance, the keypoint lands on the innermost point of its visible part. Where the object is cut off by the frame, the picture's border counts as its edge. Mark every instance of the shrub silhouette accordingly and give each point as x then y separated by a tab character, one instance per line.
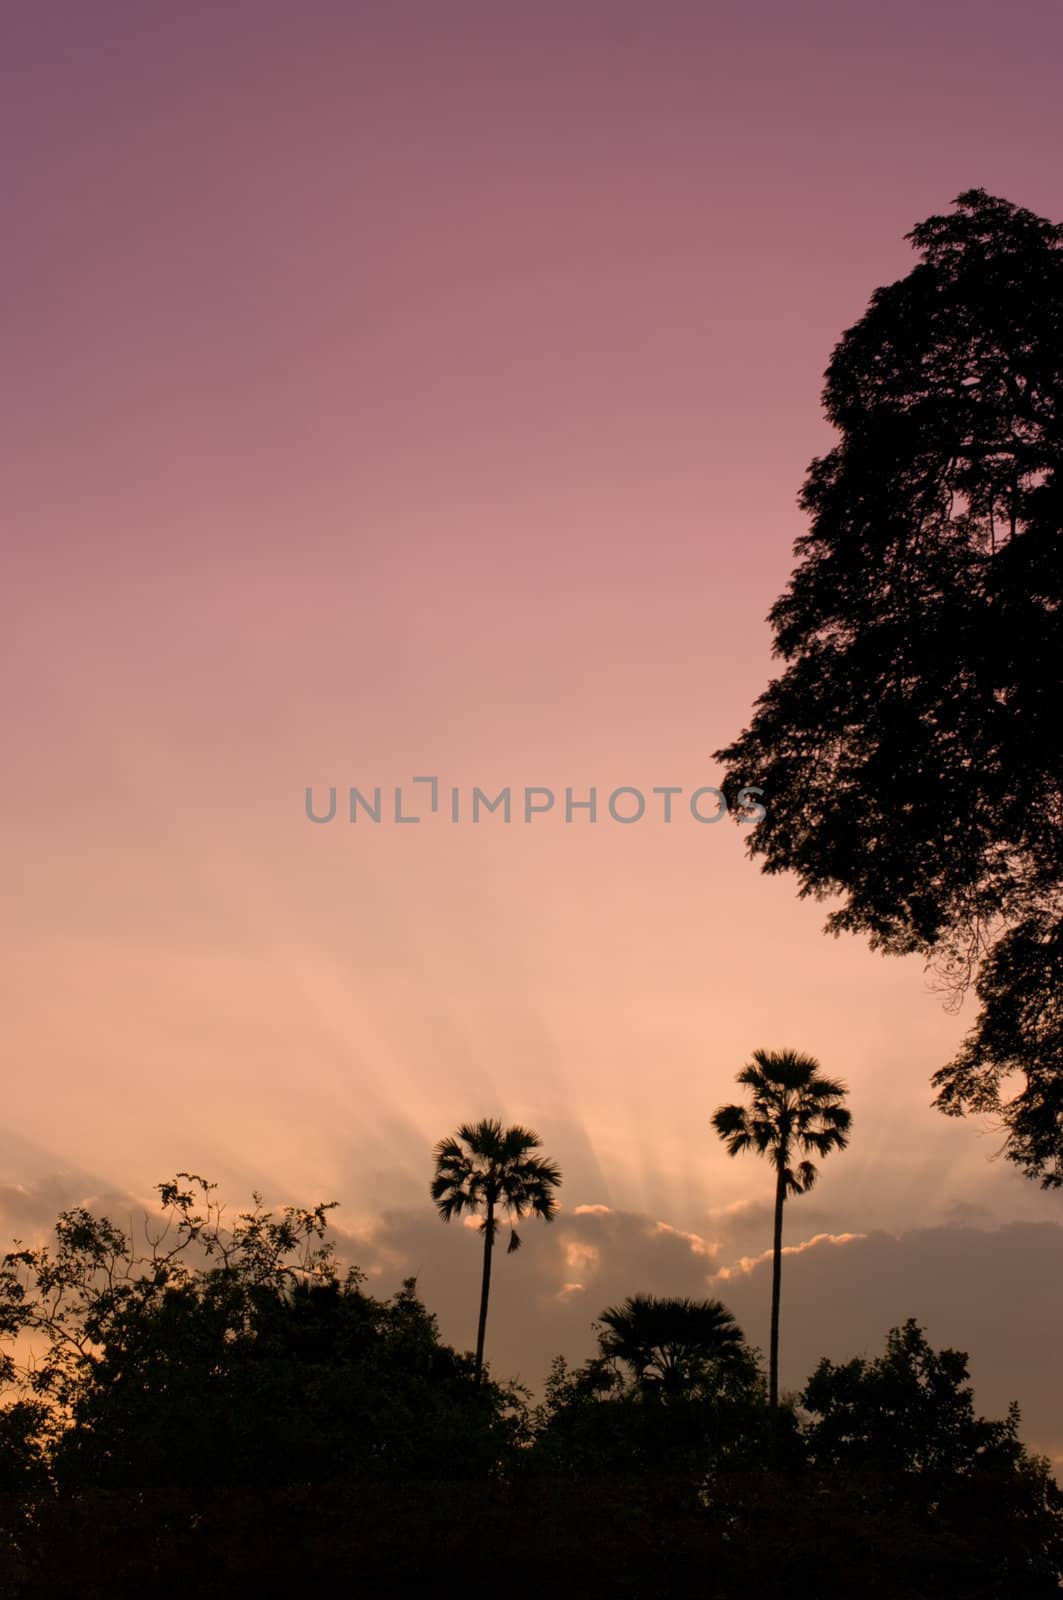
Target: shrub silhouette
227	1409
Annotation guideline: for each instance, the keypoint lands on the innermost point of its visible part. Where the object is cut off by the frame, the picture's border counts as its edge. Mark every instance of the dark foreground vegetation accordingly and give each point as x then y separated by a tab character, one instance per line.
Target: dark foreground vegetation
224	1411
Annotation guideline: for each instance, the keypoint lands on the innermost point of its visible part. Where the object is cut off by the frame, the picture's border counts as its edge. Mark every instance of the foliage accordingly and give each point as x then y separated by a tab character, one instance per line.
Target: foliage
911	752
491	1168
90	1293
674	1390
595	1426
903	1429
675	1346
792	1109
226	1409
1019	1030
237	1356
885	1483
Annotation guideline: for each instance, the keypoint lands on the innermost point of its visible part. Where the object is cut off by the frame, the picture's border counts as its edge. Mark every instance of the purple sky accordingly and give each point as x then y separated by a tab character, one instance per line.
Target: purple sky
426	388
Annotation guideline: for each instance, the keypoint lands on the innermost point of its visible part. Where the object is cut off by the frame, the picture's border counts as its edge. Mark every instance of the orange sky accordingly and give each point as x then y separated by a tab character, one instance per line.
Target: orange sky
431	396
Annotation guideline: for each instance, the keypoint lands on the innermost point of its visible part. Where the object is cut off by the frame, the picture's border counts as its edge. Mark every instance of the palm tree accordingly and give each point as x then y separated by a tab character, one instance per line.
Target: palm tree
671	1345
792	1110
485	1167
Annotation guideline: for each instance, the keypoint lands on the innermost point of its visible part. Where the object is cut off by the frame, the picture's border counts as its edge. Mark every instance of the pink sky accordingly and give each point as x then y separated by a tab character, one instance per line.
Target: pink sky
425	388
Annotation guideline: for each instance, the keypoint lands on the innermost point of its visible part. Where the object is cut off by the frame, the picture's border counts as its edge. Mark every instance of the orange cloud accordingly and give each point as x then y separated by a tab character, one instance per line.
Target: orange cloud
748	1264
698	1245
580	1254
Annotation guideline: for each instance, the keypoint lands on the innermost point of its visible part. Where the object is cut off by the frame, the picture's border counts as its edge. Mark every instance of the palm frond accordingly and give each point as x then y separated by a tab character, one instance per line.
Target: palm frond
791	1105
452	1204
804	1177
486	1167
670	1344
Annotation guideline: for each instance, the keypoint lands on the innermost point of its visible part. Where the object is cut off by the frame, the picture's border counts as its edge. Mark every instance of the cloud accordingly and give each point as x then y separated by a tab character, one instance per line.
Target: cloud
747	1264
578	1253
698	1246
28	1211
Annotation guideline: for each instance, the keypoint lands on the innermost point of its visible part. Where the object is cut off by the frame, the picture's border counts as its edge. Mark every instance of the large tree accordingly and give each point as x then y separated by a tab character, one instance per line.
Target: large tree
793	1111
911	752
492	1170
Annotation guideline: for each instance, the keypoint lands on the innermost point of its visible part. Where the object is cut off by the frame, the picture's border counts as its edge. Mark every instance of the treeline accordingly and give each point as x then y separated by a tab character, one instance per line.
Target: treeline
226	1407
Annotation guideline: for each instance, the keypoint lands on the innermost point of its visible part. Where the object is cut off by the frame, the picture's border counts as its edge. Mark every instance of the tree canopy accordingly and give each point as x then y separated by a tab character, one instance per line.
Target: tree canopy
911	752
224	1354
903	1430
673	1345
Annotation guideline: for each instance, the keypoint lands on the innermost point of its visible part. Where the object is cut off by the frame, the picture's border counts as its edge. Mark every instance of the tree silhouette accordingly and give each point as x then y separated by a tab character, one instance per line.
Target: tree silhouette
223	1353
910	1412
208	1395
490	1169
671	1345
792	1110
911	752
903	1429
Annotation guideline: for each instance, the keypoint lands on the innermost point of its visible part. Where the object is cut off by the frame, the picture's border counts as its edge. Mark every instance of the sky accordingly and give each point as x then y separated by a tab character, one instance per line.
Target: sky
415	390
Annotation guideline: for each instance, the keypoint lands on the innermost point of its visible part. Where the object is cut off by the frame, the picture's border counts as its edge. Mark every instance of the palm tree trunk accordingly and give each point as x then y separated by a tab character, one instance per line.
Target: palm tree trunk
485	1288
776	1284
